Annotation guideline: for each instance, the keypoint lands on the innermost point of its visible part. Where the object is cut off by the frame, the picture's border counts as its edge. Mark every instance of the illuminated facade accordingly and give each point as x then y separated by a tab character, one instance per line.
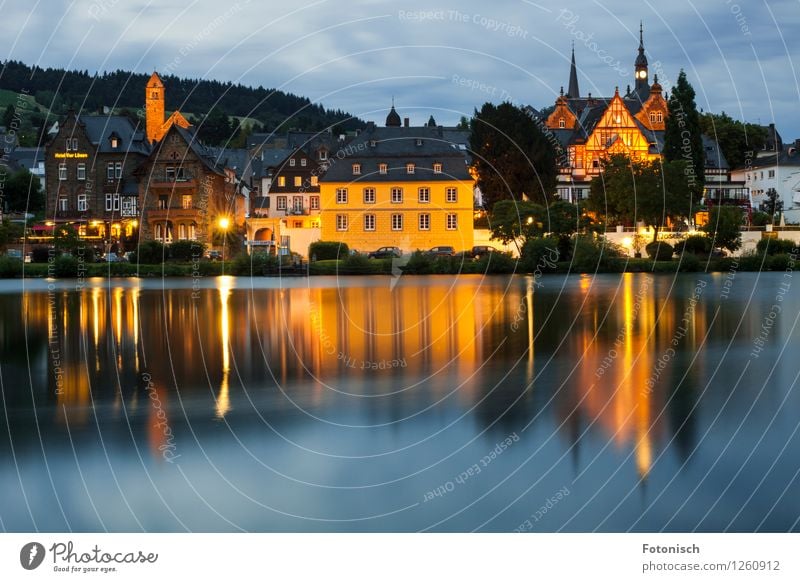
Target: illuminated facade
401	186
155	111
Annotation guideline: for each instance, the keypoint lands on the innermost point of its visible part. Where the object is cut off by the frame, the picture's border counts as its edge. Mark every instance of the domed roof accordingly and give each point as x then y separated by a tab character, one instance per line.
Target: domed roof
393	119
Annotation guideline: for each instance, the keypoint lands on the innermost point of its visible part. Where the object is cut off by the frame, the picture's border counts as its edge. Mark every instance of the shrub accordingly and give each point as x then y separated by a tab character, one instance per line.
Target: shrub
659	250
255	264
326	250
780	262
776	246
540	255
690	263
40	254
496	264
752	262
418	264
697	244
186	250
590	253
65	266
10	267
356	264
149	252
760	219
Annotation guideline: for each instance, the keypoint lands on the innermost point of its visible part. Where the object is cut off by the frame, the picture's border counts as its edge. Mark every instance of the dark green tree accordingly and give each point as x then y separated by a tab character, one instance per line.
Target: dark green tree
65	238
735	138
724	227
463	123
773	204
9	232
683	135
513	158
23	192
8	115
511	221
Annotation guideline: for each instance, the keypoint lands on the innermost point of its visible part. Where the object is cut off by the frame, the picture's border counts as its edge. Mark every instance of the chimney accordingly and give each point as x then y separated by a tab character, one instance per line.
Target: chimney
405	122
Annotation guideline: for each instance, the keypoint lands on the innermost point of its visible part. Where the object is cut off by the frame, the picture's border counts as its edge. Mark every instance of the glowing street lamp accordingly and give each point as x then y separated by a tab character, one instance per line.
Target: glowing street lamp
224	222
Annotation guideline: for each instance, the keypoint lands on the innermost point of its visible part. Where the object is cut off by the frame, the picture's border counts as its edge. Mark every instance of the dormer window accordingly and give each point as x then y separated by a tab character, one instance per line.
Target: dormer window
303	162
437	168
292	162
356	169
383	168
419	142
323	155
410	168
562	123
372	143
114	142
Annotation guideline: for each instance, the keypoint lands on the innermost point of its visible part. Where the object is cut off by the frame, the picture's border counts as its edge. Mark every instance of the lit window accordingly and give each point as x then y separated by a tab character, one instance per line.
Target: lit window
341	222
437	168
315	203
451	194
356	169
83	204
281	202
114	143
314	181
410	168
181	232
452	221
369	195
341	196
297	204
397	222
397	195
659	117
81	171
562	123
186	201
383	168
62	171
369	222
425	221
298	181
281	181
424	195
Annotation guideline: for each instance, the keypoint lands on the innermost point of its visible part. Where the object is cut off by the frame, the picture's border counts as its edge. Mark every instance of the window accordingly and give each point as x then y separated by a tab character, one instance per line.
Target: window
341	196
419	142
315	203
410	168
62	171
118	170
397	222
116	202
281	203
83	204
281	181
424	195
110	202
129	206
451	194
659	117
303	162
114	143
452	221
424	221
297	204
181	232
81	171
69	145
369	195
292	162
314	181
62	204
562	123
180	175
298	223
397	195
383	168
341	222
72	144
163	202
369	222
437	168
771	173
110	171
186	201
298	181
356	169
169	173
323	155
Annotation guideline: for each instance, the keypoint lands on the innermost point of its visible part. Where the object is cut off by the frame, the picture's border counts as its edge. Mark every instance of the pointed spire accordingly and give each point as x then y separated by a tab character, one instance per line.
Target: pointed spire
641	35
573	92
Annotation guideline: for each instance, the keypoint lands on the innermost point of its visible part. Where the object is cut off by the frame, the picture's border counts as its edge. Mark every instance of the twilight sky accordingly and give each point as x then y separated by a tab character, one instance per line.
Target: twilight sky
441	57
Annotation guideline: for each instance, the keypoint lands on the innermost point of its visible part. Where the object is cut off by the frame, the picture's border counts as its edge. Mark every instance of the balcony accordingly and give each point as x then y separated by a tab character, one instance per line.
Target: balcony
176	213
186	180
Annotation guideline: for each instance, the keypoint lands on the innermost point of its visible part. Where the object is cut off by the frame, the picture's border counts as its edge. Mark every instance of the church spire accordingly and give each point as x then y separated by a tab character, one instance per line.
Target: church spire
642	87
573	92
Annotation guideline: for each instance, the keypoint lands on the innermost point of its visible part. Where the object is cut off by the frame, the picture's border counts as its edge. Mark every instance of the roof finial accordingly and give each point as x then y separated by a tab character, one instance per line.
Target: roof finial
641	34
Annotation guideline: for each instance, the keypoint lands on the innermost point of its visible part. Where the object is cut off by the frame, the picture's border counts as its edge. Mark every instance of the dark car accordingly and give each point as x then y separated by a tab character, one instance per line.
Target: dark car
386	253
441	252
481	250
214	255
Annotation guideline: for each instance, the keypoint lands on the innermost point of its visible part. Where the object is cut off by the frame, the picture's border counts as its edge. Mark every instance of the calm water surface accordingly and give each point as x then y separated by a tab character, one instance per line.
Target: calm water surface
577	403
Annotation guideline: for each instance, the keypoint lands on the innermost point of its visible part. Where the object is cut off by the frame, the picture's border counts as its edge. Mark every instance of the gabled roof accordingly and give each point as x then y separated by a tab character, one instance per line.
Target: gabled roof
99	129
235	159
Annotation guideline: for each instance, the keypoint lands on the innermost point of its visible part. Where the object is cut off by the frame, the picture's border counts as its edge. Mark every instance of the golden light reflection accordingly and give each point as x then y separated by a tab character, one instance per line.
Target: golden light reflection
223	398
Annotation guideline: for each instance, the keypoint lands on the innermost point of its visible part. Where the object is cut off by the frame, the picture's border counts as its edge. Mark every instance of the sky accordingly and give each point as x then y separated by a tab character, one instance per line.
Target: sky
441	58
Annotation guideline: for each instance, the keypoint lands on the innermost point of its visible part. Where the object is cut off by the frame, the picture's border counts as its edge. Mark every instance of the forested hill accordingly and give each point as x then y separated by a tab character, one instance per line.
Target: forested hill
120	89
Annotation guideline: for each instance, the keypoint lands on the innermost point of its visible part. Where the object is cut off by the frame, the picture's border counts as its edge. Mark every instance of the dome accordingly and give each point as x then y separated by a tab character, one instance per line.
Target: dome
393	119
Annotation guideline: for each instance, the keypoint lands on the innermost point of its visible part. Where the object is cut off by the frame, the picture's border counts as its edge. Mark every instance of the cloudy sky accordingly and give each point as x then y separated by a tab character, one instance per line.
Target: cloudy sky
435	57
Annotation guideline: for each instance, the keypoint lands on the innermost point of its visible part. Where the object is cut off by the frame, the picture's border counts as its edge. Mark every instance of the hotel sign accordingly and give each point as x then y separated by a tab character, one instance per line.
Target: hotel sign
71	155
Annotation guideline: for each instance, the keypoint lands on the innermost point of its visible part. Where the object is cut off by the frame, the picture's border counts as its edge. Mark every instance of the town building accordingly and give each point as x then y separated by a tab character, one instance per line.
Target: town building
401	186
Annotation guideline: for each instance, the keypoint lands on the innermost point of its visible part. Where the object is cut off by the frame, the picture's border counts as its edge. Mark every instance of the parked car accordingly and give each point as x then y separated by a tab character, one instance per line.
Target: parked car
112	258
441	252
386	253
481	250
214	255
14	254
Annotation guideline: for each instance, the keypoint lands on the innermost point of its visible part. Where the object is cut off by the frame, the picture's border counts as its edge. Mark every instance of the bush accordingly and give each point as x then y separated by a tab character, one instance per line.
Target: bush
780	262
149	252
659	250
496	264
186	250
690	262
760	219
10	267
65	266
40	254
255	264
540	255
697	244
418	264
326	251
357	264
591	254
752	262
776	246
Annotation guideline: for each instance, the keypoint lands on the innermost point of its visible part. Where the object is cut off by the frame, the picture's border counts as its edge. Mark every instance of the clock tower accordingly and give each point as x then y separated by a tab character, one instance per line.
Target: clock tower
642	88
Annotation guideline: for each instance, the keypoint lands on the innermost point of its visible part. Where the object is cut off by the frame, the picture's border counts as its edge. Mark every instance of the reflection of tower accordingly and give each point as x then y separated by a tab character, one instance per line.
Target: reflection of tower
154	108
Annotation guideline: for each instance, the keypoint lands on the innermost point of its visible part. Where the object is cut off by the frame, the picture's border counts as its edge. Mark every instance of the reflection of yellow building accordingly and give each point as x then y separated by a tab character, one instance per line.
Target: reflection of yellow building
398	186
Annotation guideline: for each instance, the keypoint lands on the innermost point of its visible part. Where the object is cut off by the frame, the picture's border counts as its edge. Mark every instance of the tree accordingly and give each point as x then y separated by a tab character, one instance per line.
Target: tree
511	221
563	219
683	136
724	227
8	116
23	192
632	190
512	156
215	128
9	232
65	238
735	138
463	123
773	204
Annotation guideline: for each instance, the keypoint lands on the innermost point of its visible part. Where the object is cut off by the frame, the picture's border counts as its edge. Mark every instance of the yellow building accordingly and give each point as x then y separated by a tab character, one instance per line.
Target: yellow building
401	186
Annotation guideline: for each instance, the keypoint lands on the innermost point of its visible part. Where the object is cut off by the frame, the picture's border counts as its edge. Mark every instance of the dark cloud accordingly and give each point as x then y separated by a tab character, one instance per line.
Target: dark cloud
445	58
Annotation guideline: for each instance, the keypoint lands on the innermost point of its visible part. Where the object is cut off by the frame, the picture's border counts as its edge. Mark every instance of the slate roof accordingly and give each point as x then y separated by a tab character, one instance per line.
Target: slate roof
235	159
99	129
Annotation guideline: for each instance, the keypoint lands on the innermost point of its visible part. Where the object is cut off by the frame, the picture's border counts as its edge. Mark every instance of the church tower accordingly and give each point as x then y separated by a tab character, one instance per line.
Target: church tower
154	108
573	92
642	88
